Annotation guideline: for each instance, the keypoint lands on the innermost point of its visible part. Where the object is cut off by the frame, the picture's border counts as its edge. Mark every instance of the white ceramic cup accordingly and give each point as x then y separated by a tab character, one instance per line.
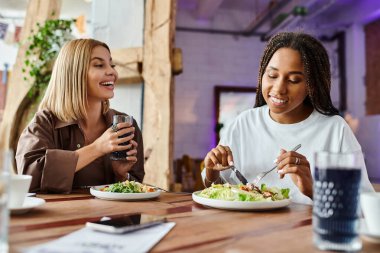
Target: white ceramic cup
19	187
370	203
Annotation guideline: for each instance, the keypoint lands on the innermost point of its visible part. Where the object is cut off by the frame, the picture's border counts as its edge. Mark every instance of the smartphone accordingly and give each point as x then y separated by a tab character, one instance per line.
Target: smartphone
126	223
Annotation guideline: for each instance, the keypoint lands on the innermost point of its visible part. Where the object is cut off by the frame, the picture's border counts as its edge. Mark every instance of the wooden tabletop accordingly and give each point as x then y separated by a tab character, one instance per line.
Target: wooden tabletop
198	228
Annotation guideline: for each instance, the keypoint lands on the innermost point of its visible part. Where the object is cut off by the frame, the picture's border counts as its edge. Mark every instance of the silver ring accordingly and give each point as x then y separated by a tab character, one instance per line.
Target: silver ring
298	161
114	128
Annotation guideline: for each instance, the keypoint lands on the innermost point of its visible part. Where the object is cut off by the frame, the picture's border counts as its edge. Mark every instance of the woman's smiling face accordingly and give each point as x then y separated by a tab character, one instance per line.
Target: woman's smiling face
101	75
284	87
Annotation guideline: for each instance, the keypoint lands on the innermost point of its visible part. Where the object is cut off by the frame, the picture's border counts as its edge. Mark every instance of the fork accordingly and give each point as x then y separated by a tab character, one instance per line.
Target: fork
263	174
162	189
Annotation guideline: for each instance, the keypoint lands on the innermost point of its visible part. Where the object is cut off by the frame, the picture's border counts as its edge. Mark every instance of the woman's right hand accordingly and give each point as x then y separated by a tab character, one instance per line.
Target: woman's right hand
219	158
109	141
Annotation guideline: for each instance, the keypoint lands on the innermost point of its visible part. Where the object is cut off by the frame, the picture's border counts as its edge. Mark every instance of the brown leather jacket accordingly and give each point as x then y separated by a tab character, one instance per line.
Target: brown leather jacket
46	151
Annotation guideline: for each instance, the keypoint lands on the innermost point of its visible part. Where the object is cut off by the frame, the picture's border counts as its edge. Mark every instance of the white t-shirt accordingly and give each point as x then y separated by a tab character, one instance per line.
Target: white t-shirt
256	139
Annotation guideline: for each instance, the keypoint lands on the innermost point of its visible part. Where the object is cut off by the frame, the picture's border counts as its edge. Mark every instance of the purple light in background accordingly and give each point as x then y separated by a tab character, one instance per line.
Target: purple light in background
372	17
203	22
213	127
187	5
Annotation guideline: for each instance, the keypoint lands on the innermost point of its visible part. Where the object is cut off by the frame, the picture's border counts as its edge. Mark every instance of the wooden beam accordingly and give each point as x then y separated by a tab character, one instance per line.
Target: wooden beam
128	63
158	91
265	15
177	65
208	8
38	11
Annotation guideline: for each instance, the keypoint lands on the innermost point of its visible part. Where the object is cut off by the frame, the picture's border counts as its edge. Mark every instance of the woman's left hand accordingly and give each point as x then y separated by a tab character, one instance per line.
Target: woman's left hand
298	167
121	168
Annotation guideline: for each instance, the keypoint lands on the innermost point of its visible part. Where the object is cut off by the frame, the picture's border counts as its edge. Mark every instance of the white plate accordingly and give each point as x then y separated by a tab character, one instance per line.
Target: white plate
366	234
29	203
95	191
240	205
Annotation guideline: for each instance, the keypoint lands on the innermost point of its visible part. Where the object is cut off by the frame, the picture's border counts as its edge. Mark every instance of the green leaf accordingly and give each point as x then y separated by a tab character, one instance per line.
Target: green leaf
44	45
285	192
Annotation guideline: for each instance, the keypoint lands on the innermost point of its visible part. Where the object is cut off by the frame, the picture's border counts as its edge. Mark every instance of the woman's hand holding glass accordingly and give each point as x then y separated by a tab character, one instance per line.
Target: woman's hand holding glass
298	167
109	141
121	168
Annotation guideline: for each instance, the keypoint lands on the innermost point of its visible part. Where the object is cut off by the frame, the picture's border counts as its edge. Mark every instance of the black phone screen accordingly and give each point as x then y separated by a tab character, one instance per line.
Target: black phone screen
131	220
126	223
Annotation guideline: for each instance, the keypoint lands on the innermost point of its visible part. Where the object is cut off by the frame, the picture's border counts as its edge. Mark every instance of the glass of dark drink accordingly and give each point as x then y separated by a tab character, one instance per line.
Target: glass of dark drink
121	155
6	157
336	208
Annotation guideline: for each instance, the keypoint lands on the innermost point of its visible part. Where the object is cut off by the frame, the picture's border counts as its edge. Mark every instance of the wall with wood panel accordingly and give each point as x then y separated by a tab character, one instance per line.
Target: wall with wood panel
372	80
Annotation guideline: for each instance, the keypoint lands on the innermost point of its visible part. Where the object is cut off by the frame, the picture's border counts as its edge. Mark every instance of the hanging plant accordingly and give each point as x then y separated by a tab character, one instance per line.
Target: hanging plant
43	49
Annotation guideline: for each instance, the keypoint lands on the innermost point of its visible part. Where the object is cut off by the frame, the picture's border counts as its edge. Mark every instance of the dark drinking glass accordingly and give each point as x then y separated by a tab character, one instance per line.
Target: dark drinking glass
121	155
336	186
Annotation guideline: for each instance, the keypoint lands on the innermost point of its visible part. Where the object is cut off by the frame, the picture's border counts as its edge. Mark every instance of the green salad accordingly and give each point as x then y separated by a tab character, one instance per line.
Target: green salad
128	187
242	192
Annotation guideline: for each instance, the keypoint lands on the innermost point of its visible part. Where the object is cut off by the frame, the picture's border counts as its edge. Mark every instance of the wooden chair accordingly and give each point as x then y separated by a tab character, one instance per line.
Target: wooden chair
187	174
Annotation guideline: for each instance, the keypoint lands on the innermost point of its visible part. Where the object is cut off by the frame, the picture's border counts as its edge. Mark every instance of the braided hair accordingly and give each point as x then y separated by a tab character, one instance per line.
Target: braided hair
316	65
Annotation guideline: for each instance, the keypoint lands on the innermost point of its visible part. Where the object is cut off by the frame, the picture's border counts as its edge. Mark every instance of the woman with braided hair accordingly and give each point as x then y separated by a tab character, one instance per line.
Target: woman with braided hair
293	106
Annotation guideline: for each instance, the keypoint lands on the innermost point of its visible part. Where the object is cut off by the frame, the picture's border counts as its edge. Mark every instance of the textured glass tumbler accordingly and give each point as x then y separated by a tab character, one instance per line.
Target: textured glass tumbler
121	155
5	166
336	205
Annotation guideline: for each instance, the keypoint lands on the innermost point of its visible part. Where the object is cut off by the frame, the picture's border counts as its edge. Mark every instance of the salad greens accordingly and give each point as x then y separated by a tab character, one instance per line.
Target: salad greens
128	187
244	193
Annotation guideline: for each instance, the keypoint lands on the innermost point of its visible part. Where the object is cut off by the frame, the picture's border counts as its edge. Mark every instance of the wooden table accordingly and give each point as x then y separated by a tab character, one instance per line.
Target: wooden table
198	229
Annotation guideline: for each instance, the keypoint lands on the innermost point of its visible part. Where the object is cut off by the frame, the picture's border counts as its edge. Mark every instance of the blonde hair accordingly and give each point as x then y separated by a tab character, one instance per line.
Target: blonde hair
66	94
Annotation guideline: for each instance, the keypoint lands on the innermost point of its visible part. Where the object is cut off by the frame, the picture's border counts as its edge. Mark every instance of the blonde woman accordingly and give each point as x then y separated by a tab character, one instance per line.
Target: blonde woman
68	142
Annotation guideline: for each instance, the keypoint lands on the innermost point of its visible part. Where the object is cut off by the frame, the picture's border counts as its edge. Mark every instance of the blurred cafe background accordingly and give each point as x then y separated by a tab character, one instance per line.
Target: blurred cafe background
215	48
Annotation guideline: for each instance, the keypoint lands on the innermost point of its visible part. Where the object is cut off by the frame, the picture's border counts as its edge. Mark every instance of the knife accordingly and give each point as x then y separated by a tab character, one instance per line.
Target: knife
239	175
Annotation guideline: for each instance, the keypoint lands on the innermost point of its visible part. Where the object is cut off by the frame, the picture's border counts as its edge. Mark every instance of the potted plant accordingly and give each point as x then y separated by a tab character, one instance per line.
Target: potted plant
43	48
